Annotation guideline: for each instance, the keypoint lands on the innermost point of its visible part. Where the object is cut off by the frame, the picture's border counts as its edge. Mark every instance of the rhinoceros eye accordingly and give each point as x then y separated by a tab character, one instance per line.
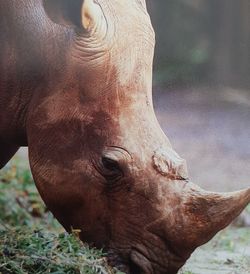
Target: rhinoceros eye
110	164
111	169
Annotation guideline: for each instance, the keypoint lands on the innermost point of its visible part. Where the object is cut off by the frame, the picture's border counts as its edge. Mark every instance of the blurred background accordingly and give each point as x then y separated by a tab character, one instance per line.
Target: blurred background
202	41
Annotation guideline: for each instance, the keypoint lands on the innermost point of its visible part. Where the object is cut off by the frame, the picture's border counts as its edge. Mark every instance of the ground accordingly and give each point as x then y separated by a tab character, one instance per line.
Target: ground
209	127
227	253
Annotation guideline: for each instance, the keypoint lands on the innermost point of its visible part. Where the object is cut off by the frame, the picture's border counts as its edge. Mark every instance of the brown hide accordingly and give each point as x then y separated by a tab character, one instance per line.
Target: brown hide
75	87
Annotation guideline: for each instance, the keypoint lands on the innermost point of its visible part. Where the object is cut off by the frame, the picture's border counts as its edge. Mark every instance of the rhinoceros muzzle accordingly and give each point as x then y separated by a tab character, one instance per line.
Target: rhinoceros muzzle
167	243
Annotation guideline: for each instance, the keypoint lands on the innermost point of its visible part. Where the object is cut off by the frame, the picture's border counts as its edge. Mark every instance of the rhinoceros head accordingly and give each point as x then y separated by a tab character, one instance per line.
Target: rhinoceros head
98	155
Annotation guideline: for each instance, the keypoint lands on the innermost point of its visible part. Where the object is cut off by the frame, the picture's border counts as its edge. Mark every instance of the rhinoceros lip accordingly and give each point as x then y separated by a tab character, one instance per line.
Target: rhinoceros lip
134	262
118	261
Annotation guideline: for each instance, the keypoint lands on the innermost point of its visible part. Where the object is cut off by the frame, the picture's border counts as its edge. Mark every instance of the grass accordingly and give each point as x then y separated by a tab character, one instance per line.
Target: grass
31	240
26	251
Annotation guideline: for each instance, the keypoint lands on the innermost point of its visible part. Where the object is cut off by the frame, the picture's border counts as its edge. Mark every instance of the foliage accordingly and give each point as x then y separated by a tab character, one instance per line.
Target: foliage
26	251
19	200
201	42
183	46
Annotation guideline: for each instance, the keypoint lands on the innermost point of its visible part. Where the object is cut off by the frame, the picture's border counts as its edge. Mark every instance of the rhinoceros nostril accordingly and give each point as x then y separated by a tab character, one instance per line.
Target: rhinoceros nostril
134	268
115	259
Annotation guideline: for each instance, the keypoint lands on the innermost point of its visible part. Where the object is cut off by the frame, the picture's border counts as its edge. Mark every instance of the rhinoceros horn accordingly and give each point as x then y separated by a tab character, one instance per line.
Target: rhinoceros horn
198	217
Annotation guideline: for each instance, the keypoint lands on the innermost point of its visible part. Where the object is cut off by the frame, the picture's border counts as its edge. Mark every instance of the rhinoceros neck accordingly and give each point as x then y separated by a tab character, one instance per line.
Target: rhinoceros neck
32	54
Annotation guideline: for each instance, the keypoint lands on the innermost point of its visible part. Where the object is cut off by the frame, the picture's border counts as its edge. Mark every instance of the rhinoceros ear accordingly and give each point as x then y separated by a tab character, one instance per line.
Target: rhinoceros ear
77	13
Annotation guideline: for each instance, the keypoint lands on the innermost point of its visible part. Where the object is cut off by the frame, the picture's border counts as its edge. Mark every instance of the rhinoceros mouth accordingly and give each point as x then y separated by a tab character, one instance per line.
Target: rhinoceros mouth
129	261
141	263
155	256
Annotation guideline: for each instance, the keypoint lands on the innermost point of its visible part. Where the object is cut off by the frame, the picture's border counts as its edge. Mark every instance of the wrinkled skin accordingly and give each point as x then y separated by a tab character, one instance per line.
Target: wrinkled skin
75	86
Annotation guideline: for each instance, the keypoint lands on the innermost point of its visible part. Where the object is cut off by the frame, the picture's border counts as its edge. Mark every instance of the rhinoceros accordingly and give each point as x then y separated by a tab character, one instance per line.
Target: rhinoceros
76	88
